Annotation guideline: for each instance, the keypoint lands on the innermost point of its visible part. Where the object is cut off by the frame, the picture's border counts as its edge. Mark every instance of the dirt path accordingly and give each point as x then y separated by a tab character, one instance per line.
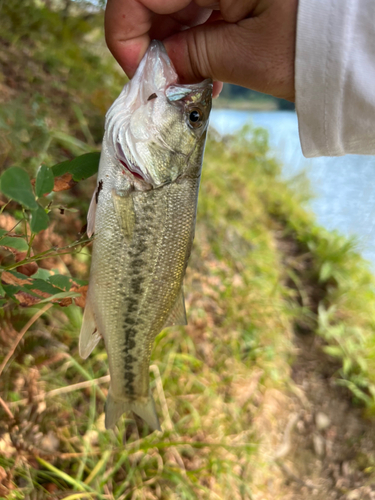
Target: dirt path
332	446
327	447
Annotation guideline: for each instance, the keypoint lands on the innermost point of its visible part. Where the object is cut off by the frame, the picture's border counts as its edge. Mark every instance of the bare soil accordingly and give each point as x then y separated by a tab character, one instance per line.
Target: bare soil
327	446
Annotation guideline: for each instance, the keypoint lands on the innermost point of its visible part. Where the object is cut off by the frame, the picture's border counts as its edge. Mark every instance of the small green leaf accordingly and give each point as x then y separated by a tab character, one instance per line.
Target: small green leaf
2	291
39	220
43	286
44	181
43	274
81	282
61	168
61	281
81	168
86	166
13	242
11	290
15	184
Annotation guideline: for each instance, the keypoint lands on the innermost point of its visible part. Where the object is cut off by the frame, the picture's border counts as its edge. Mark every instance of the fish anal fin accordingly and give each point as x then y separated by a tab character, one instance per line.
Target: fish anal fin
124	209
177	316
115	408
89	335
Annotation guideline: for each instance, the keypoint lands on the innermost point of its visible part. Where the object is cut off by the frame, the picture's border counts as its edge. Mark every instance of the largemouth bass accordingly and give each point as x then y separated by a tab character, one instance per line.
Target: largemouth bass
143	215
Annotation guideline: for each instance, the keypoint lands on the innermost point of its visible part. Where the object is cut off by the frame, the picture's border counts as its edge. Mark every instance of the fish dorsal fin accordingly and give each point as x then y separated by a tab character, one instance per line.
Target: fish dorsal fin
91	216
177	316
89	336
124	209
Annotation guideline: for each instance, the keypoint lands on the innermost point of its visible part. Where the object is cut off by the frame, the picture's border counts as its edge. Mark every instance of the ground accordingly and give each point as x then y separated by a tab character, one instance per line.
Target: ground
325	446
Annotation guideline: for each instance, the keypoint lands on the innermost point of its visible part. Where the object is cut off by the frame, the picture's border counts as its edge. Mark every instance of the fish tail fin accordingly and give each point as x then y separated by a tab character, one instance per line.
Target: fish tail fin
115	408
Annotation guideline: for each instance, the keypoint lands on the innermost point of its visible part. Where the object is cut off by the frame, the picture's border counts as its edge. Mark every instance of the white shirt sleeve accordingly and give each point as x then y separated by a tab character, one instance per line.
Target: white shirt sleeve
335	77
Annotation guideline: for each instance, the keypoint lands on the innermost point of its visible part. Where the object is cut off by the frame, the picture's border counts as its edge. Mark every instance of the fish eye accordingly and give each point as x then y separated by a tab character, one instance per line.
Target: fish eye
195	118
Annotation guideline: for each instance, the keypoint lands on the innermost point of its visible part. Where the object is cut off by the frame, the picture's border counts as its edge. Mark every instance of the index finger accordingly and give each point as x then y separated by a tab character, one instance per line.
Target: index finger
127	25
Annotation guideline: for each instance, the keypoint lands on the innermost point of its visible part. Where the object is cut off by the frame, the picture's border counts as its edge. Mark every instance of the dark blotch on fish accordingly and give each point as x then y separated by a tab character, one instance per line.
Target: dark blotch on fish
129	346
130	359
152	96
129	379
100	187
130	321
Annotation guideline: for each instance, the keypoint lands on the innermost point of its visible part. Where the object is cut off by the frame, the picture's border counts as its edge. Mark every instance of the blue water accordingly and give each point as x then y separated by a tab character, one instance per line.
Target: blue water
343	187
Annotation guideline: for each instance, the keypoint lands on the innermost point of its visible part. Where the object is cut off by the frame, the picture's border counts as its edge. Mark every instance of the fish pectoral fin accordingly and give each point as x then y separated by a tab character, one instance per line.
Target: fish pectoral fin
115	408
89	335
91	215
177	316
124	209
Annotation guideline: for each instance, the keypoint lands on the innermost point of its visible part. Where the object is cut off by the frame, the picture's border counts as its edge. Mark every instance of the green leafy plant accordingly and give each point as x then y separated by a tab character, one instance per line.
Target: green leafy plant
35	200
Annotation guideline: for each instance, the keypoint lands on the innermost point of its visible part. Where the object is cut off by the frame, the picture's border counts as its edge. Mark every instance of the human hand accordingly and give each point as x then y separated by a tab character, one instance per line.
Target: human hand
245	42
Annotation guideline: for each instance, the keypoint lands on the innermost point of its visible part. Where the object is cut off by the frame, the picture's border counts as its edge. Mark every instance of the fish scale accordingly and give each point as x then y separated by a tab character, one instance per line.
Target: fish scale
144	228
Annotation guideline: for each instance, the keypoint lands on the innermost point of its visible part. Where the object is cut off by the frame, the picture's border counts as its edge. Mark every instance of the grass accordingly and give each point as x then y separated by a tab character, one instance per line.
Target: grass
342	295
235	346
56	78
260	269
213	373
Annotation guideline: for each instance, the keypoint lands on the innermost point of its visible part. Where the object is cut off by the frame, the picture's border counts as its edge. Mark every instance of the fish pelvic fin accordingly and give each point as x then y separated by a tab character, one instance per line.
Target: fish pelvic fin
114	408
177	316
89	335
91	214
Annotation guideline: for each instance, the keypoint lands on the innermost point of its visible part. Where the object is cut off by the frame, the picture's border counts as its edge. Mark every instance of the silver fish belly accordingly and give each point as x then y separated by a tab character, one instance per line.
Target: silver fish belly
143	216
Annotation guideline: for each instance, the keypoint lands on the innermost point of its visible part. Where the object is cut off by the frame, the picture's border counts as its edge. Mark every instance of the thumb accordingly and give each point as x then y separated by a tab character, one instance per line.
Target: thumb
257	52
201	52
